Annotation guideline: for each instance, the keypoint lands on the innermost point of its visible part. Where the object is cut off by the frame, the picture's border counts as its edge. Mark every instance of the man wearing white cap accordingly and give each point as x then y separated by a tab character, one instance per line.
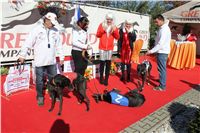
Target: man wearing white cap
45	40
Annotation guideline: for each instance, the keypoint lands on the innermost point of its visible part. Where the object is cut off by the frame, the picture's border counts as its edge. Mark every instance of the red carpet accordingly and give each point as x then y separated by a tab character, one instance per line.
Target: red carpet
20	113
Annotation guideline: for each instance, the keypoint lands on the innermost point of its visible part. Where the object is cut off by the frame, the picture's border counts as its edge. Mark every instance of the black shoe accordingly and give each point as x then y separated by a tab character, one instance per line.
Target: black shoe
40	101
158	88
106	82
122	78
101	81
128	79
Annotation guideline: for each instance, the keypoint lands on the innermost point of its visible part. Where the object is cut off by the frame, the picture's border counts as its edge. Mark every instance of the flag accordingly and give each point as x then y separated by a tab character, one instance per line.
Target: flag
77	13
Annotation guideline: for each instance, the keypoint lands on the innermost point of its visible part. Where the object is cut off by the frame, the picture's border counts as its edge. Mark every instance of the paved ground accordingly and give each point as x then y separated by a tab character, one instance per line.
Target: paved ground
157	119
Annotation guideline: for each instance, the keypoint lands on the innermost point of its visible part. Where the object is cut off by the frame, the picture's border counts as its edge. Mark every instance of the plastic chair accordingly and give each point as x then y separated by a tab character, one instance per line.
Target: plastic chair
136	51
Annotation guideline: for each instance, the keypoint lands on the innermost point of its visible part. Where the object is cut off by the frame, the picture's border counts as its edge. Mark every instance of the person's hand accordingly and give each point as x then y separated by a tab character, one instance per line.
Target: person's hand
21	60
130	30
61	62
148	52
114	28
89	47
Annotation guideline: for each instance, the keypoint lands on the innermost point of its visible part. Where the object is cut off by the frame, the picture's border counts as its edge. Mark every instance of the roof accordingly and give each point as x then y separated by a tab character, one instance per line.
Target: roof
187	13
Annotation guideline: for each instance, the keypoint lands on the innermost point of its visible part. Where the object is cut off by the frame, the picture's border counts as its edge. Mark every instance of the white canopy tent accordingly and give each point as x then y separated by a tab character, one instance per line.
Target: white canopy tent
188	13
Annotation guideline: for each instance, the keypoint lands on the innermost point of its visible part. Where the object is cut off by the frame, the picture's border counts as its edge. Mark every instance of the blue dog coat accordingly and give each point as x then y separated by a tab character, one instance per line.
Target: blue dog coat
118	99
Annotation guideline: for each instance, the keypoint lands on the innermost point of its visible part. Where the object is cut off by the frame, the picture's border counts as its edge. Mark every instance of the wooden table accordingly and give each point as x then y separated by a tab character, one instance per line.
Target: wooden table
182	55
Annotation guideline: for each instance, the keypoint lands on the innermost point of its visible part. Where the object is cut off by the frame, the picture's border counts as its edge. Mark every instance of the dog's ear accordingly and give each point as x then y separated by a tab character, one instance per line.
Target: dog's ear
69	84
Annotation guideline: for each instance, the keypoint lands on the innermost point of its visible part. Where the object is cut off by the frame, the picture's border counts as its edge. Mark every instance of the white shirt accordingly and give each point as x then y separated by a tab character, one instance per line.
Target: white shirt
79	41
162	41
38	39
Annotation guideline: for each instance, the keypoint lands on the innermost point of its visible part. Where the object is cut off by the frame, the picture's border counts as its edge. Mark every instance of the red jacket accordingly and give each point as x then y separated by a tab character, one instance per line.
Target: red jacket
191	37
106	43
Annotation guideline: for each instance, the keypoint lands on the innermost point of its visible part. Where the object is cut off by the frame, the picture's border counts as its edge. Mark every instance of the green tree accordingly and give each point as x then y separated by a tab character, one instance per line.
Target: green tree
157	8
152	8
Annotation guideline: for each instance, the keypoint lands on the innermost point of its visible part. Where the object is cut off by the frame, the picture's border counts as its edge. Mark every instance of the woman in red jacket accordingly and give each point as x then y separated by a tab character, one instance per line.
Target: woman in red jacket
107	32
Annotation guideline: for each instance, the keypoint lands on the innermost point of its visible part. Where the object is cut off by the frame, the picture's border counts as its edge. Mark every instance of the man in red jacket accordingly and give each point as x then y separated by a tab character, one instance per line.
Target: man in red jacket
107	32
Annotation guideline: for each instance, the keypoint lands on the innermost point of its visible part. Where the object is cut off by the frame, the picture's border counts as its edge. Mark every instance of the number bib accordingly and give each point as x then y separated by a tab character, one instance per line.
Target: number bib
118	99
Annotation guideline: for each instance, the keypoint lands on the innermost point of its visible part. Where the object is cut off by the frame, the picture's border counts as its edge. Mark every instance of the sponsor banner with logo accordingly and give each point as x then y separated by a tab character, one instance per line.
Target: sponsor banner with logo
19	20
17	79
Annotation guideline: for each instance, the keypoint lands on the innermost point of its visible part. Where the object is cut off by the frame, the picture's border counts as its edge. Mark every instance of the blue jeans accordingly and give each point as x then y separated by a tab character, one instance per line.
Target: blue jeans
161	62
50	71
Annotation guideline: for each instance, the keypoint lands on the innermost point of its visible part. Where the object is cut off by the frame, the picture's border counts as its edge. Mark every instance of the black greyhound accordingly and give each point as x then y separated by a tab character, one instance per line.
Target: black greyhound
130	99
59	82
143	71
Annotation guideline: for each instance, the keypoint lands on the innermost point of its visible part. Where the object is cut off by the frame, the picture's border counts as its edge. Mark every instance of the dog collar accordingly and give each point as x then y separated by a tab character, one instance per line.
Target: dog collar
147	64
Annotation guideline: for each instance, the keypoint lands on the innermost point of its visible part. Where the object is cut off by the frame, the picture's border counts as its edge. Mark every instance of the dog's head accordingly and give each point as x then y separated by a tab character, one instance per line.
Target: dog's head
144	67
141	69
136	98
60	81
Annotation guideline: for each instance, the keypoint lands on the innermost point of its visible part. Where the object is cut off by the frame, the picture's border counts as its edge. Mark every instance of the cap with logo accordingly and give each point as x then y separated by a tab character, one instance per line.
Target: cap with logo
52	17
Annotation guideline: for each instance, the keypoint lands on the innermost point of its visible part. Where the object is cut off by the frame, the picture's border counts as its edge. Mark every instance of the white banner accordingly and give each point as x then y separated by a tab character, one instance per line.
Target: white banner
18	22
17	79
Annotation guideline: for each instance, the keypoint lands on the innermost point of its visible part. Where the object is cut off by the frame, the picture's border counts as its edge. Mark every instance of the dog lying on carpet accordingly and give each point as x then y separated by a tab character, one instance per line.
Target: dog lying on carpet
130	99
143	71
78	86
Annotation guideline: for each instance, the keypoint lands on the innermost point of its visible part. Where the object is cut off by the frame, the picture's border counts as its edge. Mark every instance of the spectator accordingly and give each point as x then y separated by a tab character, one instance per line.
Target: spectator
107	32
125	42
44	39
79	43
162	48
191	36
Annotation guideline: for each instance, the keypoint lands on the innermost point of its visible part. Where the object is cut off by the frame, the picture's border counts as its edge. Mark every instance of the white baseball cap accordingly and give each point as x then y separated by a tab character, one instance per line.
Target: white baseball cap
52	17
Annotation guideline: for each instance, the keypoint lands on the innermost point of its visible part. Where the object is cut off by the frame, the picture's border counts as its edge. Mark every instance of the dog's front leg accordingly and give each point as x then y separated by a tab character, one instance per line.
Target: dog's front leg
143	80
148	76
60	95
53	100
61	103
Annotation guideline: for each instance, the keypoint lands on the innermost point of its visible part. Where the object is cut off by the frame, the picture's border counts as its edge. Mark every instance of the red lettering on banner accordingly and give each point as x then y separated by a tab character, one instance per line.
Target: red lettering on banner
193	13
66	39
197	13
19	39
92	38
63	38
6	39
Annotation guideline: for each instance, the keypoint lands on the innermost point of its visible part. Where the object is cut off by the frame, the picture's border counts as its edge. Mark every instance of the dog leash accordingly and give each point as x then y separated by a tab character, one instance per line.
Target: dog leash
89	60
94	80
19	66
87	56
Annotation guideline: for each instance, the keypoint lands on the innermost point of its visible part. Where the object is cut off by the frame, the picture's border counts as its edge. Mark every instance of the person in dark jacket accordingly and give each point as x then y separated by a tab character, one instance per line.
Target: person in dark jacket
125	47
